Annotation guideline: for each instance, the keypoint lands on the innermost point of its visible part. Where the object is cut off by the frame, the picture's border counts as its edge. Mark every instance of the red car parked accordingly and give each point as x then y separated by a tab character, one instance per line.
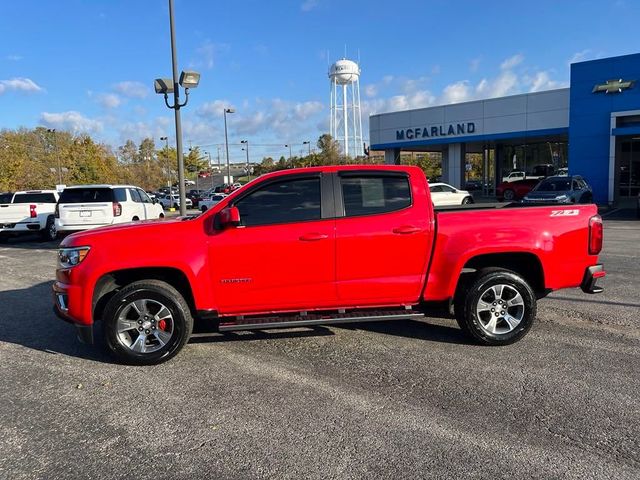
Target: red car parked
323	245
511	191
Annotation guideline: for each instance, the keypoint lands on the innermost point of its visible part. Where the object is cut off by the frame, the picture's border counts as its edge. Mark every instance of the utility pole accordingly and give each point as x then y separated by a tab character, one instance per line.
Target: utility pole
55	146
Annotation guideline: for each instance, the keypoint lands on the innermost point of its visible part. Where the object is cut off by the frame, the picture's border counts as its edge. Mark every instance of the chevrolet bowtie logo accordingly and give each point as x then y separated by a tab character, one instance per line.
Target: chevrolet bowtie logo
613	86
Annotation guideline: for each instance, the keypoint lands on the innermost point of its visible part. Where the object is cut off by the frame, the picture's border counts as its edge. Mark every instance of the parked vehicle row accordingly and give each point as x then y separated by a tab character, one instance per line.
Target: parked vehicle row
558	189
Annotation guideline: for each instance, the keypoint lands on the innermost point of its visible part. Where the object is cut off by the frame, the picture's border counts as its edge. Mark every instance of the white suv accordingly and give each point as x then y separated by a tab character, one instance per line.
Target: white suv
89	206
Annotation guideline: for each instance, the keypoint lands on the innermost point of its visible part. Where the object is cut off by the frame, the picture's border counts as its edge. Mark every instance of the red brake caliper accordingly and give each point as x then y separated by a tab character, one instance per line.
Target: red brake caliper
162	325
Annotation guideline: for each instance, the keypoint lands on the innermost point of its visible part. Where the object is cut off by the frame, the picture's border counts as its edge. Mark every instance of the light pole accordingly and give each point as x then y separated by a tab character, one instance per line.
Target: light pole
188	79
166	149
226	142
246	149
308	144
55	146
289	145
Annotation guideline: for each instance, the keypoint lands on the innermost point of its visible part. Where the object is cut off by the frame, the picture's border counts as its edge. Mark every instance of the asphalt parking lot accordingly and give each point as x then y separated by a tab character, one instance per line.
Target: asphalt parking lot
406	399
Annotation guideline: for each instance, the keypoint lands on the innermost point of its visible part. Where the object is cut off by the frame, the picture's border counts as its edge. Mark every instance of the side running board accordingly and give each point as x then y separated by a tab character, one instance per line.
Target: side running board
263	323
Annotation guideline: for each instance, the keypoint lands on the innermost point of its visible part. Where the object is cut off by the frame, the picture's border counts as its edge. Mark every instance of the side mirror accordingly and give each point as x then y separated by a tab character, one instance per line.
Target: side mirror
230	217
154	200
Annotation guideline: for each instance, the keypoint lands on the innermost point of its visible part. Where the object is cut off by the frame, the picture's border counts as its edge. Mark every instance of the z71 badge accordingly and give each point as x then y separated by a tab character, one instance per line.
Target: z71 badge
564	213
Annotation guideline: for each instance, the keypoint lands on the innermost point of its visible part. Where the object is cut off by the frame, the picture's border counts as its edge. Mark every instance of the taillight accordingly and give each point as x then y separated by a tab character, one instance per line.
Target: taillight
32	211
595	235
57	211
117	209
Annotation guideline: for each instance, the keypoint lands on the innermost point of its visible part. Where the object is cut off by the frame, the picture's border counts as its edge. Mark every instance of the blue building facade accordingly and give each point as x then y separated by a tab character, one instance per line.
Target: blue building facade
604	126
592	128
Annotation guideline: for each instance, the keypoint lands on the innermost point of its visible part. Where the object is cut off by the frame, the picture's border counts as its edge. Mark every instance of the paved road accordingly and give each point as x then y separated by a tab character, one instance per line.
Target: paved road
396	400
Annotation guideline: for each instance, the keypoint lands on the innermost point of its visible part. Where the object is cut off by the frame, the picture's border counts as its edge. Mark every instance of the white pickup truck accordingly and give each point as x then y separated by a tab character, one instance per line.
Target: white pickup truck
29	211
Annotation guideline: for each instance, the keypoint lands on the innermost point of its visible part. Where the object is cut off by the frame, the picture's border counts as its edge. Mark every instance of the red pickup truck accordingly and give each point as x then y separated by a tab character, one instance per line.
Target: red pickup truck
325	245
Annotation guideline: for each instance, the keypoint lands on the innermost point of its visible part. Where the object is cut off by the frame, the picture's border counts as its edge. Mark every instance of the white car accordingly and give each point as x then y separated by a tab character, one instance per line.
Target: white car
173	201
89	206
515	176
444	194
29	211
208	202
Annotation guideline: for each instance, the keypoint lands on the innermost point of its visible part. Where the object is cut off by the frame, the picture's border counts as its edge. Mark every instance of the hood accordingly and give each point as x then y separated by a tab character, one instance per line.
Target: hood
162	229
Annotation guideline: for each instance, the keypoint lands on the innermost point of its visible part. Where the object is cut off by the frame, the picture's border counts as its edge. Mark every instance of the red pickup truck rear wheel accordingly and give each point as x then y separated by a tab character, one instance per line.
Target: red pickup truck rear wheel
147	322
497	308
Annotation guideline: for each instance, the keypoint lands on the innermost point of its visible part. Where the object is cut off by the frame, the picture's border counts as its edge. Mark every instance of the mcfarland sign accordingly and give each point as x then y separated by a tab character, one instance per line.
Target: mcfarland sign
436	131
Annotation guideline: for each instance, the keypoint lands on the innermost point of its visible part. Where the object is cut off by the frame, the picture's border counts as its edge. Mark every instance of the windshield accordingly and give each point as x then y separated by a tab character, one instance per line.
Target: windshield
555	185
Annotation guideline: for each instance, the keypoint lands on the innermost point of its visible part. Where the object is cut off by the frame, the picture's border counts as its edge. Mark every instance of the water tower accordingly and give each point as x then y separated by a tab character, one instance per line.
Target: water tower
346	119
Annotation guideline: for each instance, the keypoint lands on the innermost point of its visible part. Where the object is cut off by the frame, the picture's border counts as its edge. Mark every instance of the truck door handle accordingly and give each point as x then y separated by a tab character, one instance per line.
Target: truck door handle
313	237
406	229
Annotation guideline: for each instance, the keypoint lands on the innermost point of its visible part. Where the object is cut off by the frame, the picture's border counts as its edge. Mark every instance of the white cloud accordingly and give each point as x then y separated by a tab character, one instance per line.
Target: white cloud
511	62
542	81
387	79
308	5
14	58
19	84
370	90
417	99
109	100
132	89
456	92
72	121
208	53
579	56
304	110
214	108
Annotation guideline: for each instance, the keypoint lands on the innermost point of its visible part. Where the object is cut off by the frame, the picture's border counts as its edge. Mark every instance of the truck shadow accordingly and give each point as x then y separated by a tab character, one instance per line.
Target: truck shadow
27	319
416	329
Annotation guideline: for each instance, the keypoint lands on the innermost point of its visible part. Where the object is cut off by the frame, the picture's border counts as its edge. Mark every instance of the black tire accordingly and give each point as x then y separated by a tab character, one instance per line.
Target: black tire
155	291
135	219
477	325
509	195
49	233
161	216
467	200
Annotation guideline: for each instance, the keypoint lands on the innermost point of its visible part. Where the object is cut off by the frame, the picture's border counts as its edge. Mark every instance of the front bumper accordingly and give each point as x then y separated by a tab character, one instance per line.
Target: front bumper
591	276
61	297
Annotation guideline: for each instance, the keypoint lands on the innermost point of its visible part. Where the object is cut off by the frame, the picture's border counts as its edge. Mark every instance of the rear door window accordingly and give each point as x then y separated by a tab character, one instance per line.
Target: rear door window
370	194
120	194
86	195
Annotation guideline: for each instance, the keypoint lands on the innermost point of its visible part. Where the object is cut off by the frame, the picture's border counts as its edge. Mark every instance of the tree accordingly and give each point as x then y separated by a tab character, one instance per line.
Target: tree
329	150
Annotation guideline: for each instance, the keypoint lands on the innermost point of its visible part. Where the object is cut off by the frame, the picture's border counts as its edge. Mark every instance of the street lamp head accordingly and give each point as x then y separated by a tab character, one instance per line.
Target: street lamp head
163	138
163	85
189	79
229	110
244	141
305	143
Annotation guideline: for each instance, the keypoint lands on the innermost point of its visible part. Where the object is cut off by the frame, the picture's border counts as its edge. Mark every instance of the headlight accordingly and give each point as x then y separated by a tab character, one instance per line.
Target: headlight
70	257
526	199
562	198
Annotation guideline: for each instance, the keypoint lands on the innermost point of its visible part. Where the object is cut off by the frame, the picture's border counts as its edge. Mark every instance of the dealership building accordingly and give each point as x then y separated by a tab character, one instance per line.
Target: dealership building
592	128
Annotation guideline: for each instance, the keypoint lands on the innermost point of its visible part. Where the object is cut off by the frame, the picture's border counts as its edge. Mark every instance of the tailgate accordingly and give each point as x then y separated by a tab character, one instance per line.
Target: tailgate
14	213
86	213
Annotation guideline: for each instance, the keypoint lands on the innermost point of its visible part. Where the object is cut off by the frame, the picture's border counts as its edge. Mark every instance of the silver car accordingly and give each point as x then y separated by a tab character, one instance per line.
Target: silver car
561	190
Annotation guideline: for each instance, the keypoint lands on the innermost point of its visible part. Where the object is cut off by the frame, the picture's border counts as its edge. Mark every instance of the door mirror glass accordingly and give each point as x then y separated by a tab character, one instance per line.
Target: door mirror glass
230	217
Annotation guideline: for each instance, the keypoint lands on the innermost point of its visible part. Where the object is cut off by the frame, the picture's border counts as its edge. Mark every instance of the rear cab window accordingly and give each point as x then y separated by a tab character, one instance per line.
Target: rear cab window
34	198
87	195
372	194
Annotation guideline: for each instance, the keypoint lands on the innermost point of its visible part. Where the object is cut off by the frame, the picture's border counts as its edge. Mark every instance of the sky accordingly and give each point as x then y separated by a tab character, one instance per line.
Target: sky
88	66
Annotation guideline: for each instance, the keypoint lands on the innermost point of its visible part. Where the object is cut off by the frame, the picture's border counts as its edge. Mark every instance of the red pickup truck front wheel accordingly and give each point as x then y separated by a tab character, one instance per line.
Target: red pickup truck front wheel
497	308
147	322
